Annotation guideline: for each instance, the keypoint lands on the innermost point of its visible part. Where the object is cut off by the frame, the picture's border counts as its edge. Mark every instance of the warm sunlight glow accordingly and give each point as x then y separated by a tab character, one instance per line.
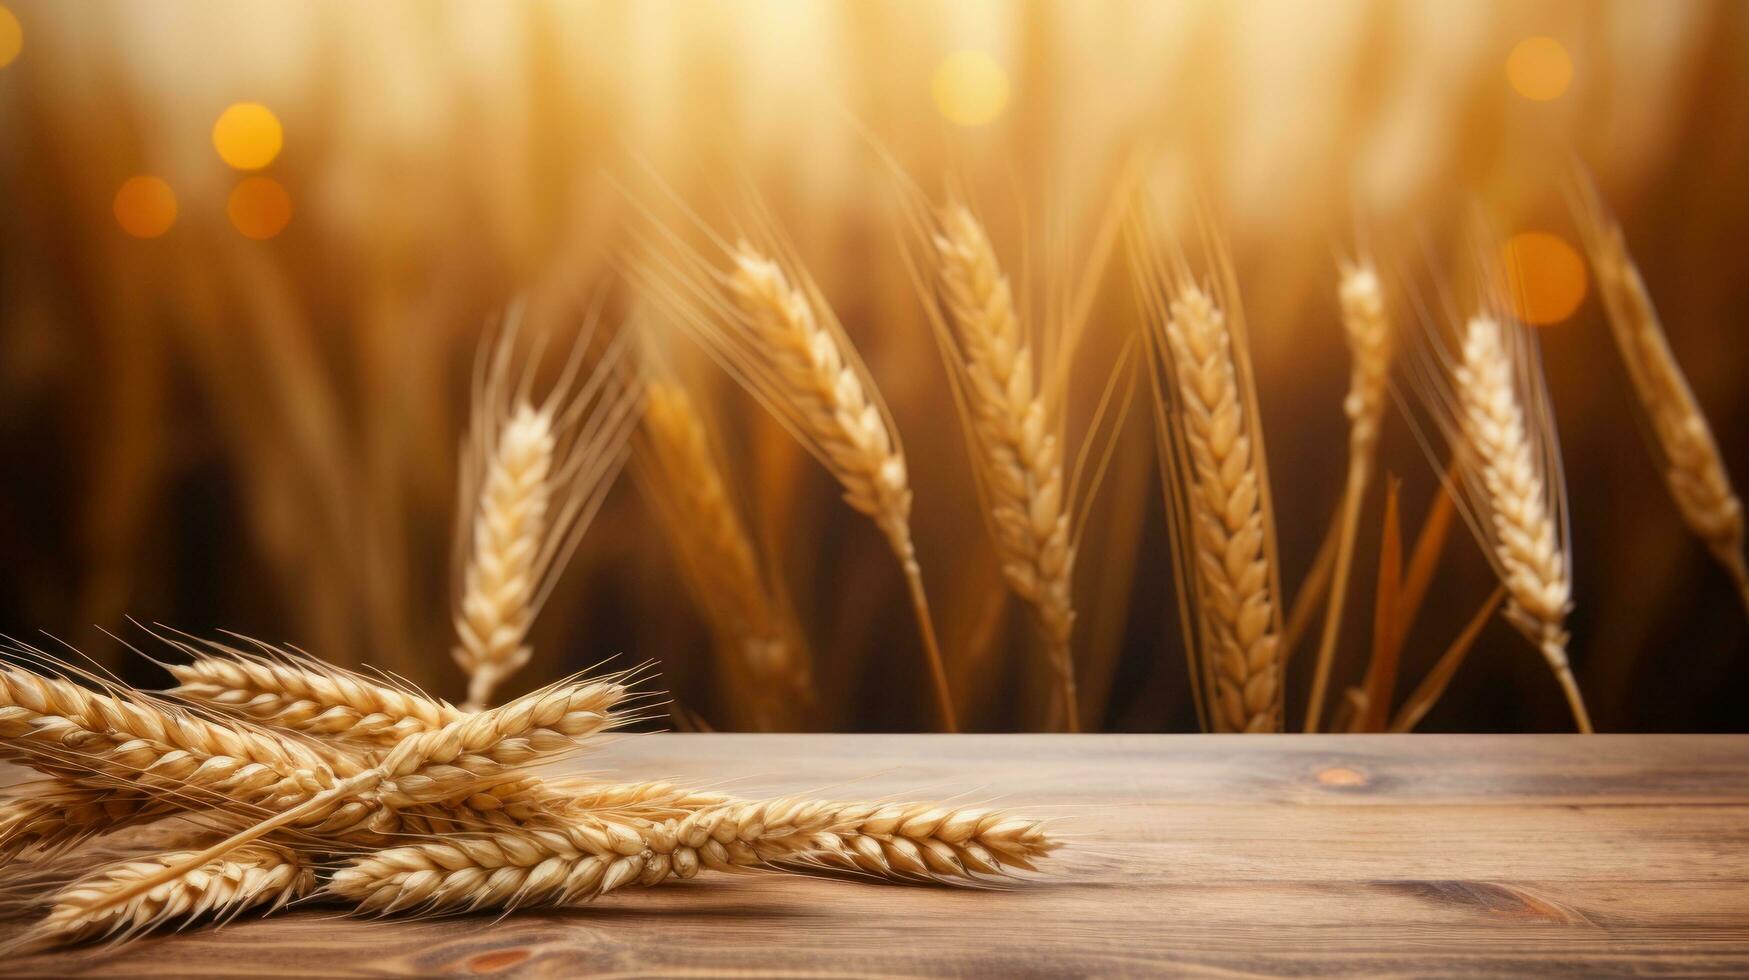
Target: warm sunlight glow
247	136
259	207
145	207
1539	68
970	88
11	37
1546	275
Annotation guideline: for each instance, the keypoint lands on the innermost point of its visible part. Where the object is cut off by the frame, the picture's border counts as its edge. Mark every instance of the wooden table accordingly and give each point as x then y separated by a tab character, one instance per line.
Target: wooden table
1229	855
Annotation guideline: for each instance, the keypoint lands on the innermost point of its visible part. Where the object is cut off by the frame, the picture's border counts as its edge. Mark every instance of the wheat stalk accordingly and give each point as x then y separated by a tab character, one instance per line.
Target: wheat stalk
425	768
498	595
1491	401
1682	440
1370	346
248	877
53	815
430	767
302	694
535	475
927	841
1217	481
829	399
134	743
577	860
1014	432
685	478
1522	498
901	841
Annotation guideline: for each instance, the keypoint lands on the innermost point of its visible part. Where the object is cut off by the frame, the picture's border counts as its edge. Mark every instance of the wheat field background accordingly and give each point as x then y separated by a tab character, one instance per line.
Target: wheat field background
243	410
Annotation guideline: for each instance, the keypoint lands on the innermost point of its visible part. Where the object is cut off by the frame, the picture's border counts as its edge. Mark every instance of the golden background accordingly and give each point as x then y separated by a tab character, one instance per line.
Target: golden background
248	250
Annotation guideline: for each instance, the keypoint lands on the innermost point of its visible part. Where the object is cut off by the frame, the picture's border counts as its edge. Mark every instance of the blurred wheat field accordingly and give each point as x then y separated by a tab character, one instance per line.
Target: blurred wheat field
233	397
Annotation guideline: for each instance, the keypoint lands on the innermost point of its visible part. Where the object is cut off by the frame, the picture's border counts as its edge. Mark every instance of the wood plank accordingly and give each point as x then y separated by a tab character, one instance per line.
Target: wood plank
1203	855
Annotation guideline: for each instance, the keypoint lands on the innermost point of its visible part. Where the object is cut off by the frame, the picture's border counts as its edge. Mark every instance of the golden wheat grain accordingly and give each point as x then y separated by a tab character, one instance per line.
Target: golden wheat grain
1370	346
822	390
927	841
1217	484
576	861
429	767
305	695
685	478
1681	439
901	841
1015	434
248	877
131	742
51	816
1517	491
534	475
472	752
499	584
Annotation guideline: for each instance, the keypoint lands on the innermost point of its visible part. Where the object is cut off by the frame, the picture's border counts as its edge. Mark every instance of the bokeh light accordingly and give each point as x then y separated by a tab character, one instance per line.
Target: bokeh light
11	37
1539	68
247	136
1545	275
145	207
970	88
259	207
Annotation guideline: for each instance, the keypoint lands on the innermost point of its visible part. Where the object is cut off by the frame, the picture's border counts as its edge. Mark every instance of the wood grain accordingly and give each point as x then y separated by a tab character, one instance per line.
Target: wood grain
1204	855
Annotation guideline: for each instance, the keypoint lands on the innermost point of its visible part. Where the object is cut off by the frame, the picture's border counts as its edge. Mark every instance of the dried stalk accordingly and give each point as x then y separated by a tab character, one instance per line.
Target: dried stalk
535	475
1370	345
1681	439
1013	428
249	877
1212	448
683	475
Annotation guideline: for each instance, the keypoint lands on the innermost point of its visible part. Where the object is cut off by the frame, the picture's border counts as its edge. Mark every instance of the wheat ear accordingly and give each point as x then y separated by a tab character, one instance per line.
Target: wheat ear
1370	348
1491	402
831	399
1014	431
930	842
248	877
1525	502
684	478
1218	491
901	841
1681	439
536	473
766	323
285	689
53	815
132	742
578	860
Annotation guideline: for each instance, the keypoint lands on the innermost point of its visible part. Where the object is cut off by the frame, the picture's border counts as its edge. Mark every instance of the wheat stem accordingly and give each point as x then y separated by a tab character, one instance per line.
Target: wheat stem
1682	440
247	877
1520	495
1218	492
534	475
302	694
496	608
685	478
1369	343
1014	431
576	860
823	392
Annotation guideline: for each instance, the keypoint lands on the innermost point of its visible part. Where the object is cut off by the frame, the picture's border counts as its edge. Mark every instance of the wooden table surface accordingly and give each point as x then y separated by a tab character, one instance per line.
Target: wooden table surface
1228	855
